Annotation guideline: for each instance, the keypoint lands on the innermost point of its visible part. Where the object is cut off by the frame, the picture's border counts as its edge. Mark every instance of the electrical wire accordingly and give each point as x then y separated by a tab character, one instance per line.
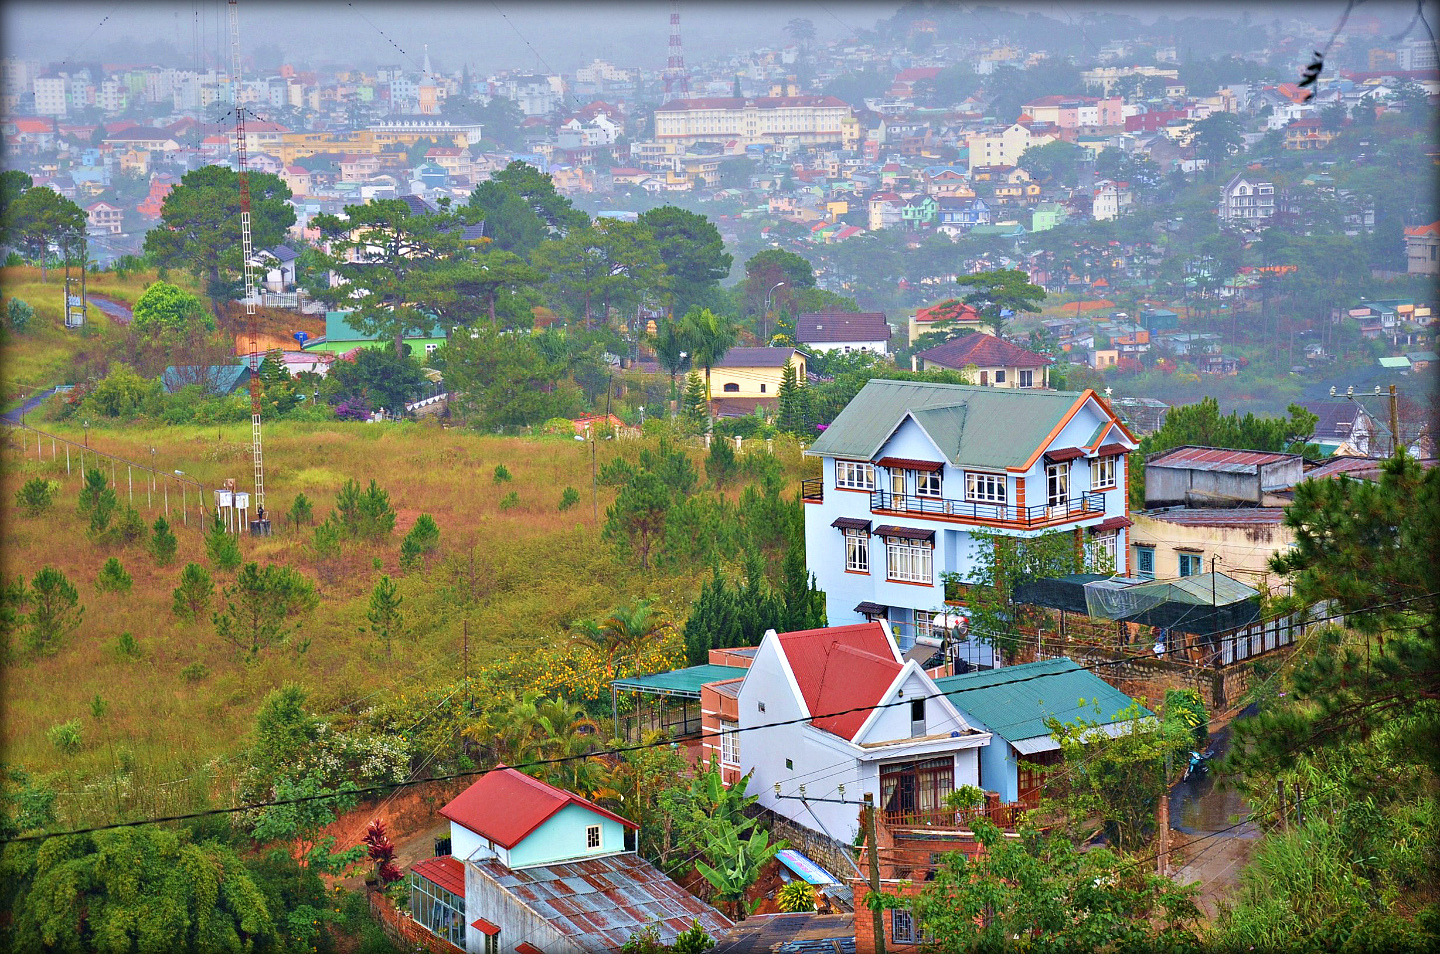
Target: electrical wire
619	750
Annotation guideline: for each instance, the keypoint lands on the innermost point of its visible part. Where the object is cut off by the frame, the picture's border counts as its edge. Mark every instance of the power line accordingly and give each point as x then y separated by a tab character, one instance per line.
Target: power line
621	750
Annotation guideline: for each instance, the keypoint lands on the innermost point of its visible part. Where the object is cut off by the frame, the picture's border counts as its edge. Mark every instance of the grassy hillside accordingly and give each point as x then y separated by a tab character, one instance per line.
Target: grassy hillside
535	569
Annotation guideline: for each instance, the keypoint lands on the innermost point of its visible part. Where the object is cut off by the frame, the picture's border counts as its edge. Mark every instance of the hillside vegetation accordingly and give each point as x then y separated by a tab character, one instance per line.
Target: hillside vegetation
181	696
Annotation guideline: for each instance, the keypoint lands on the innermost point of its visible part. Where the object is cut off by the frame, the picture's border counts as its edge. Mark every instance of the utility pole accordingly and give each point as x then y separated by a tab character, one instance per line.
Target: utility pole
465	629
872	849
1162	822
1394	422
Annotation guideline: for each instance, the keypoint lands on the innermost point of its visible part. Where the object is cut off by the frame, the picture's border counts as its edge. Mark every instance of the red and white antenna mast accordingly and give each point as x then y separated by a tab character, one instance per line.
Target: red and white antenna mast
677	79
260	525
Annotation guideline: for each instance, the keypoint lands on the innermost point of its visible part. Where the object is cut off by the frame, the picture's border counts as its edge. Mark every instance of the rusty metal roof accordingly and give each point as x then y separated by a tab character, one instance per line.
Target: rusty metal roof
1217	459
445	871
603	901
1222	516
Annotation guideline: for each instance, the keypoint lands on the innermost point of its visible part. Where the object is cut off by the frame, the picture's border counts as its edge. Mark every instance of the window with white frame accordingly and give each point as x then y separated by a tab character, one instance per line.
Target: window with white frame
897	481
985	488
924	621
909	561
927	484
1027	379
730	743
1057	483
857	550
854	475
592	836
1107	553
1102	473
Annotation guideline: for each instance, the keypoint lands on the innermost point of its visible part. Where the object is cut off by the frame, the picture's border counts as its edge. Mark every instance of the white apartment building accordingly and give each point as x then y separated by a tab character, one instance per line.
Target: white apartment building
50	96
806	120
1247	201
1003	148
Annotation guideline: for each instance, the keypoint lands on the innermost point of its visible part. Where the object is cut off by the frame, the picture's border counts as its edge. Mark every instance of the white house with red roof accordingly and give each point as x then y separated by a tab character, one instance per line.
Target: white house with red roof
844	714
993	361
533	867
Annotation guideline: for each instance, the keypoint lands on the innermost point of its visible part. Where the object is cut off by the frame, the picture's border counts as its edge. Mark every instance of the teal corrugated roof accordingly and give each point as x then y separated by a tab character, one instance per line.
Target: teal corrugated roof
1016	710
681	682
984	427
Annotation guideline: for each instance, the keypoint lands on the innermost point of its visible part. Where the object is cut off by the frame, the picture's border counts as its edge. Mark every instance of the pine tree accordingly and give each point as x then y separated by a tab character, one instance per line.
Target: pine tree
386	621
636	521
221	548
693	405
113	578
192	596
162	542
793	412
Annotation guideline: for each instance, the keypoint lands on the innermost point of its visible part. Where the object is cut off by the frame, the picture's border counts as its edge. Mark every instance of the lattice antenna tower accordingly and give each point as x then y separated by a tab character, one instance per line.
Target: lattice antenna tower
677	78
260	526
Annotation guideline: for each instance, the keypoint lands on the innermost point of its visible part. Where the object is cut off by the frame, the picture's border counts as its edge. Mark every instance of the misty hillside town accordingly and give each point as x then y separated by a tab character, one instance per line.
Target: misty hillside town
694	475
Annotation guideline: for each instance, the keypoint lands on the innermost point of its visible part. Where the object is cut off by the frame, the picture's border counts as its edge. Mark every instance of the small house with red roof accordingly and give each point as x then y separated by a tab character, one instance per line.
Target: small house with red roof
1422	249
534	867
841	706
996	362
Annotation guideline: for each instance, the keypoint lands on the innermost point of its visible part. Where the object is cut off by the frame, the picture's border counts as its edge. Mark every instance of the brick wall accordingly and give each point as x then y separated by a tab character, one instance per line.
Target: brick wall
404	931
833	856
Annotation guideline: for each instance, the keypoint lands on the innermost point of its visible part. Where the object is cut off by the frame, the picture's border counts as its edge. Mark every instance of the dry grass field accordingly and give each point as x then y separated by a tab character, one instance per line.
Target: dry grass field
535	570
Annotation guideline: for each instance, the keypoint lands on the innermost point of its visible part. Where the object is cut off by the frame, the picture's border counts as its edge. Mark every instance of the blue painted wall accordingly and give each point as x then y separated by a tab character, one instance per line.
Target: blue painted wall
562	838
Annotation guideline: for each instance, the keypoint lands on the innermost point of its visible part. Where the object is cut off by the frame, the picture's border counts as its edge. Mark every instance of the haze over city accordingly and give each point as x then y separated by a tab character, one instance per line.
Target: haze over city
737	477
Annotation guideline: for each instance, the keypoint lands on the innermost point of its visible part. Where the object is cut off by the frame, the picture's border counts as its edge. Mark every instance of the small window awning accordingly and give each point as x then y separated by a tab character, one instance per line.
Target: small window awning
1062	454
525	947
906	463
1113	523
485	927
809	871
1108	450
906	533
851	523
867	608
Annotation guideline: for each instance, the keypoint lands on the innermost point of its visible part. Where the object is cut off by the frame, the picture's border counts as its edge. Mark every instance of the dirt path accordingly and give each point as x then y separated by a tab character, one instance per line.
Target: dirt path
1214	864
120	314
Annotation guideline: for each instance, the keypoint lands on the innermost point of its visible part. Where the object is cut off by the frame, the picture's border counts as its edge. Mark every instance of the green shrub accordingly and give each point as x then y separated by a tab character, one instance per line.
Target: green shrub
502	474
127	646
325	541
20	314
66	736
364	514
113	578
195	672
569	498
36	497
301	511
98	707
510	501
192	597
795	897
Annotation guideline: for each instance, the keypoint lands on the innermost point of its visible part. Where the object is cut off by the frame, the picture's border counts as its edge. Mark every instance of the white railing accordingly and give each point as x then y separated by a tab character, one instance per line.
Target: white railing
426	402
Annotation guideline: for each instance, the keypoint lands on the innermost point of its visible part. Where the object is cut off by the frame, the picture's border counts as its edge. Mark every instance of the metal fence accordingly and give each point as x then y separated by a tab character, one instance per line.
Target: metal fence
167	491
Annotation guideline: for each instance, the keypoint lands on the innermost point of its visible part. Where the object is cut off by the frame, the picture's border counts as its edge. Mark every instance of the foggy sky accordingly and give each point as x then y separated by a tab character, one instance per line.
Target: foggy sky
488	33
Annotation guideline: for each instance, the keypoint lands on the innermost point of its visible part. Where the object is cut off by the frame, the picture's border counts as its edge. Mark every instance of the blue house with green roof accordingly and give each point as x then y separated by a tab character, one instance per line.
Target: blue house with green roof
1013	704
341	337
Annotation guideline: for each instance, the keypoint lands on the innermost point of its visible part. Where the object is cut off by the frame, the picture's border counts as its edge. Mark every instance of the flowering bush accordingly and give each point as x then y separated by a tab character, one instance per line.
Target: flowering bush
353	409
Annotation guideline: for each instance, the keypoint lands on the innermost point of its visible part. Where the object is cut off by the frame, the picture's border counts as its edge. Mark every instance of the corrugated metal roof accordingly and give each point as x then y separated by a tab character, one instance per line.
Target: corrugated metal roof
445	871
979	426
1017	710
680	682
1217	459
1222	516
841	669
505	806
1203	589
602	901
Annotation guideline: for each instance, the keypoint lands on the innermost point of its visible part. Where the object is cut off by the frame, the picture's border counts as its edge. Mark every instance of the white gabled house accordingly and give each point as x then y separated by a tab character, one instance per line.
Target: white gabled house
911	471
858	718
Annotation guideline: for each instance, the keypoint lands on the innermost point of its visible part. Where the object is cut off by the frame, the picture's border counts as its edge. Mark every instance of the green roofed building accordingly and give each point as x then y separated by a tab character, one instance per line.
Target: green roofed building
1014	702
341	337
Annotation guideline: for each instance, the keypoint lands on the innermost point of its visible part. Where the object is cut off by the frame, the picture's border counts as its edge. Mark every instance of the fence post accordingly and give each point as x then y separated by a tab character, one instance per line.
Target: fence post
184	505
130	479
67	460
112	472
167	501
52	450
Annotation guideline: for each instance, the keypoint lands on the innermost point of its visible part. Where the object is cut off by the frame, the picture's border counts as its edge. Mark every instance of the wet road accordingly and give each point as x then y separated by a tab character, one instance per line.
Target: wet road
118	312
1213	833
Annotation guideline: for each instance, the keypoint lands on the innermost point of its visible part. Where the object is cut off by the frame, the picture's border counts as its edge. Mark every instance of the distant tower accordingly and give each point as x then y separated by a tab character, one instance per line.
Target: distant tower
429	92
677	82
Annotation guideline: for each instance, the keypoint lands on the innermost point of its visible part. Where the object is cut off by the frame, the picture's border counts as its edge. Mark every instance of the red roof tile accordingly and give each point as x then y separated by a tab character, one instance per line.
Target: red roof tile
445	871
505	806
842	326
950	310
841	668
985	351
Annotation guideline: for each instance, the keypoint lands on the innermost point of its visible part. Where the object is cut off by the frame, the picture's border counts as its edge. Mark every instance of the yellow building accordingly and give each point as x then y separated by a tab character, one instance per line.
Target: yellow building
754	373
1171	544
808	120
1105	77
1003	148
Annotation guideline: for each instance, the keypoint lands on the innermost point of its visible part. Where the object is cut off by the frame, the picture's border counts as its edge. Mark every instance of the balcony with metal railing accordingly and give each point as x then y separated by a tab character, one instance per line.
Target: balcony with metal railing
812	489
1088	504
